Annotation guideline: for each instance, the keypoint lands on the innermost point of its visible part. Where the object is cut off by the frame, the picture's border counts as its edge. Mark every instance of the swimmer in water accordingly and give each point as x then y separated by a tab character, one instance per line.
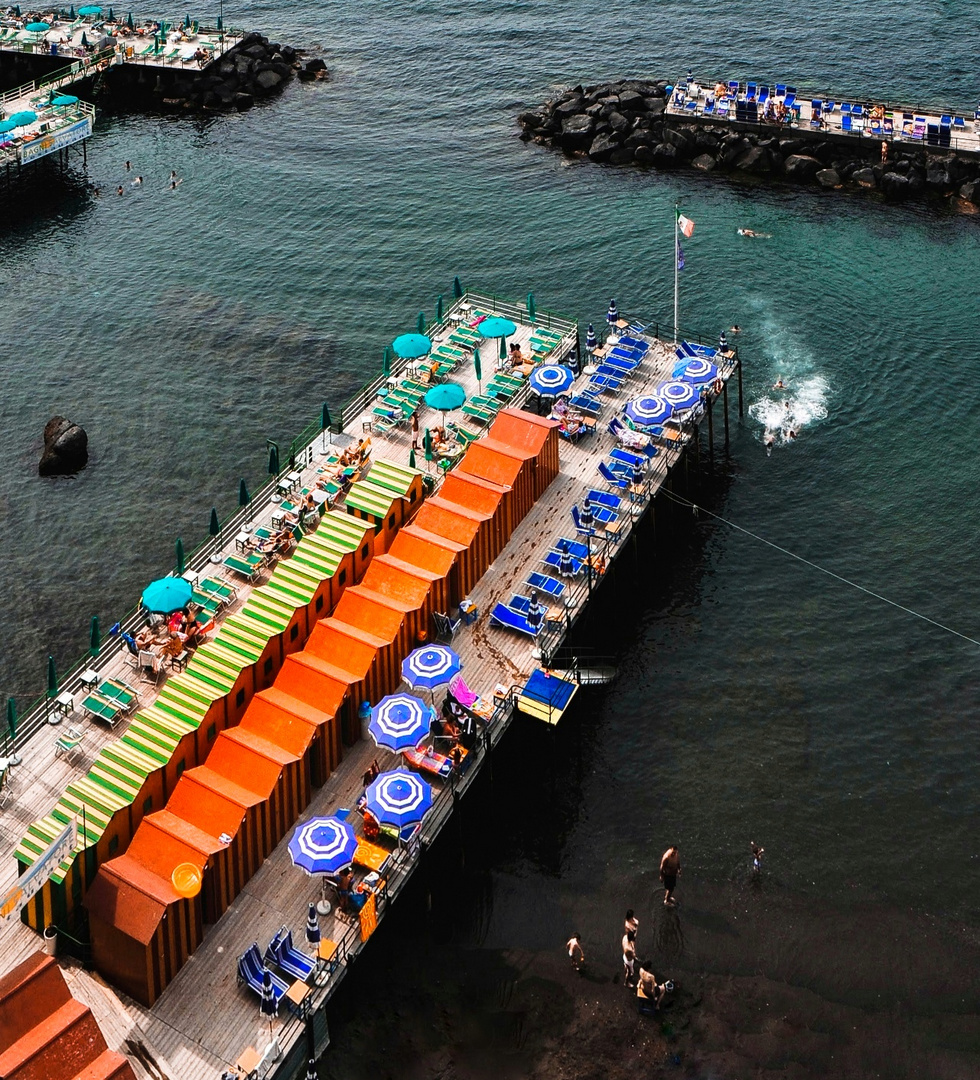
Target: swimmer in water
754	234
736	329
119	190
174	183
790	433
787	406
137	182
779	384
769	439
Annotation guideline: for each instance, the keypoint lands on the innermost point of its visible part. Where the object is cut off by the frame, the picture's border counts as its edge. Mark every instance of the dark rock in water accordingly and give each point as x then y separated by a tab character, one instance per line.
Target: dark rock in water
865	177
643	155
828	178
623	156
288	53
602	147
704	162
638	138
754	160
535	118
937	176
631	101
243	101
570	107
656	106
316	64
576	133
267	80
257	52
971	191
618	121
665	156
801	167
65	448
895	185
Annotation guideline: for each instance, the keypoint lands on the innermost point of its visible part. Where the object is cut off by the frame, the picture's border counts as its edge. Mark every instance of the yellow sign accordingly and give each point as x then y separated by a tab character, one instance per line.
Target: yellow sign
369	918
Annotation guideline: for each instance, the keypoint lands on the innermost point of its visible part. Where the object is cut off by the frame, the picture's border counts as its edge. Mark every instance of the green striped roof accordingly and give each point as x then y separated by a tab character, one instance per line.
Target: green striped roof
39	835
242	634
316	562
369	498
269	611
290	588
339	526
390	475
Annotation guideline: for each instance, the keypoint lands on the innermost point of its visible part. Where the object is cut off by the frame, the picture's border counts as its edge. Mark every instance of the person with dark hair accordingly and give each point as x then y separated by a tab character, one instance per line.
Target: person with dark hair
670	868
653	991
575	953
629	956
632	922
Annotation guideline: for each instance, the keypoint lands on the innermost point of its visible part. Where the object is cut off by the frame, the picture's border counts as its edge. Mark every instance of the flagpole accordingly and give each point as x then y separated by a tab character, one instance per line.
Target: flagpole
677	214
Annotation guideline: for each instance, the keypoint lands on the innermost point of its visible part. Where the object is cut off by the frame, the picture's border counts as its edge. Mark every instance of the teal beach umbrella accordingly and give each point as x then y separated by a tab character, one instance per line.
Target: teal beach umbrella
179	555
23	118
94	637
165	595
52	678
37	27
457	289
411	346
6	125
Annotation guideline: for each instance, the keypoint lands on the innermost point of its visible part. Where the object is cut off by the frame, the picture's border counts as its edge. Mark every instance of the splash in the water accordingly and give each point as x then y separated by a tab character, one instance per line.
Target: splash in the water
784	413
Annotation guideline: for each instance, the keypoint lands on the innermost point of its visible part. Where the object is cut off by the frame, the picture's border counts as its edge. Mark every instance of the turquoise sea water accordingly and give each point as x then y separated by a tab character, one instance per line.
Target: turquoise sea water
183	328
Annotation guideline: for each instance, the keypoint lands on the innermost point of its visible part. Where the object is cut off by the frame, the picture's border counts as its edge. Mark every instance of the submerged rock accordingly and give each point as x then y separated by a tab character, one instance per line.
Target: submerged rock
65	448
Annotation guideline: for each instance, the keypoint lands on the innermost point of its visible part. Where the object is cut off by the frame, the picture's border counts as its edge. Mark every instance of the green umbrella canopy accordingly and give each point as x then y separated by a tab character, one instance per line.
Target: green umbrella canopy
214	526
457	289
179	555
129	21
427	444
94	636
243	496
52	678
439	308
325	420
386	362
503	348
273	460
420	325
531	310
12	717
411	458
477	366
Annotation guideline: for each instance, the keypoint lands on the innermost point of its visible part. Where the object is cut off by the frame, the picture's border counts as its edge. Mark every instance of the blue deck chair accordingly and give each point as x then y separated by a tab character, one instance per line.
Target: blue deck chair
553	561
733	89
282	952
947	120
750	89
621	482
251	971
608	377
543	583
627	457
845	122
932	134
763	93
692	349
625	352
857	110
584	403
620	469
709	107
605	499
723	108
752	112
790	100
634	343
508	619
691	105
780	91
828	107
959	122
622	364
845	107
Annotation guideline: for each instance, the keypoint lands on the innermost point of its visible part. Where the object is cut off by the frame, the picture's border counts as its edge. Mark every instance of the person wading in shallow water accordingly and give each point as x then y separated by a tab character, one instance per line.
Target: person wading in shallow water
670	868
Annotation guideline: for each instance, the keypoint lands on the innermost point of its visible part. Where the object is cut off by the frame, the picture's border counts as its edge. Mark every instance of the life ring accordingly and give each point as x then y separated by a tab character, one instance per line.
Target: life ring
719	385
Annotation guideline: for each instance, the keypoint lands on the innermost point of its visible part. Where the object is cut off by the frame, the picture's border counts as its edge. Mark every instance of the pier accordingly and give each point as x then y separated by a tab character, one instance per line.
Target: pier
499	497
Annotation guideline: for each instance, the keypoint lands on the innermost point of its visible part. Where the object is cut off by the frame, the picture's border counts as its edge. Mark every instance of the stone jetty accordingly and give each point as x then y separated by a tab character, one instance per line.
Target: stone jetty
628	123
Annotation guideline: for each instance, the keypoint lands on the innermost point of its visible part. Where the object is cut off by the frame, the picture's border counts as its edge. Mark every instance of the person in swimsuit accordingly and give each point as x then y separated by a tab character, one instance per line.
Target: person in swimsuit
757	853
575	953
629	956
779	384
670	868
632	922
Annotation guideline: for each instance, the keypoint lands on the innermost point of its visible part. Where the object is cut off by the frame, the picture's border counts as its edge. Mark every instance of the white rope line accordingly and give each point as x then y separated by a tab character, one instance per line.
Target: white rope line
823	569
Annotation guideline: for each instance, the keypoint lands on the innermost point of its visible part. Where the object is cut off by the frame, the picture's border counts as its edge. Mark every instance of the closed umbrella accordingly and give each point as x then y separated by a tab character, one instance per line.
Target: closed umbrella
243	496
420	325
84	42
398	798
129	21
586	517
268	1006
14	758
400	722
214	526
111	16
722	342
457	289
411	346
535	612
166	595
503	349
427	445
612	315
439	308
411	458
386	362
325	424
94	636
551	379
478	368
273	460
311	1070
52	678
647	410
591	341
566	564
430	666
312	926
638	474
179	555
531	310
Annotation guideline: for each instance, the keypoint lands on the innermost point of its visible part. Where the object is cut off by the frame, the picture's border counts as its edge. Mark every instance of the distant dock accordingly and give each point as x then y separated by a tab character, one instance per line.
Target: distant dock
489	519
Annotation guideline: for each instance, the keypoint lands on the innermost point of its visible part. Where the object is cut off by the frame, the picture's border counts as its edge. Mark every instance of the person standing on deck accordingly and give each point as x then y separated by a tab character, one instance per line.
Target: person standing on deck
670	868
575	953
632	922
629	956
415	430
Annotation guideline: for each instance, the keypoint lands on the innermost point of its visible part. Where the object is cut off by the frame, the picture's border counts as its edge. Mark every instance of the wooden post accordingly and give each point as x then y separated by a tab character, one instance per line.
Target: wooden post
738	362
711	436
725	394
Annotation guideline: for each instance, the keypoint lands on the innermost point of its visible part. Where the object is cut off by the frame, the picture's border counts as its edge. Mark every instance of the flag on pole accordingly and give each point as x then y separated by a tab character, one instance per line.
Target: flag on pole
680	257
685	225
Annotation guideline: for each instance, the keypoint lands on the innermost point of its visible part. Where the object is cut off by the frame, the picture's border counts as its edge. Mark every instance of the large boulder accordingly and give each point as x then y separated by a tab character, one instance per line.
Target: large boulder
755	160
602	147
631	101
643	155
618	122
828	178
576	133
971	191
267	81
65	448
704	162
622	156
655	106
801	167
895	185
570	107
865	177
665	156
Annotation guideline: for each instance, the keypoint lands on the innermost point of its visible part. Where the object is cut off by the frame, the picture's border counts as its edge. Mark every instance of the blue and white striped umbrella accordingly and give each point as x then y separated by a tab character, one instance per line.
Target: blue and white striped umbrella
696	370
399	798
551	379
680	395
399	721
612	315
591	341
323	845
311	1070
312	926
268	1006
430	666
648	410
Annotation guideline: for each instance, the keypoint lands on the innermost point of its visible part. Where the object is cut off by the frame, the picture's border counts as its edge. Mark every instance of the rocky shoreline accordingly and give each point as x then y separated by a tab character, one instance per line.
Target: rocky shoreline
626	123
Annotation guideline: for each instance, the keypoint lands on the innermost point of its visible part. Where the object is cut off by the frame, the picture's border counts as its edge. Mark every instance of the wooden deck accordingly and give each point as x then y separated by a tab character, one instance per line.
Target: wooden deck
203	1021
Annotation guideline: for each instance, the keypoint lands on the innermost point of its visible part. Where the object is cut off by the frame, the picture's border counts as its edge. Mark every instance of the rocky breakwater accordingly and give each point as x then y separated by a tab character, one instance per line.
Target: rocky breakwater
256	68
626	123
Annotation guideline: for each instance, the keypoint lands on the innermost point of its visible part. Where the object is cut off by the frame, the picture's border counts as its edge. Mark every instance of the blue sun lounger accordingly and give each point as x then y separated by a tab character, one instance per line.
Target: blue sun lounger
543	583
634	343
845	123
627	457
508	619
750	91
623	352
763	94
553	561
689	348
610	477
251	971
282	953
585	403
580	529
601	514
606	377
605	498
573	548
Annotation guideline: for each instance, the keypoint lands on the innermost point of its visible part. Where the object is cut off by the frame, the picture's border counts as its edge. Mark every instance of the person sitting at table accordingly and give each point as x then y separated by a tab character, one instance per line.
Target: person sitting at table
515	355
192	630
456	755
351	901
146	638
307	507
173	647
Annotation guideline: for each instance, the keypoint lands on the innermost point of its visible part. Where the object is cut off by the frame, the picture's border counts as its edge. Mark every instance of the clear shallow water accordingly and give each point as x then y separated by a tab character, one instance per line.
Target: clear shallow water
183	329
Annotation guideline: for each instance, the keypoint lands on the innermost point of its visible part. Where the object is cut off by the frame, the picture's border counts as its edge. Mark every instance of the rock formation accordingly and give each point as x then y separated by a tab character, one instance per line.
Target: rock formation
65	448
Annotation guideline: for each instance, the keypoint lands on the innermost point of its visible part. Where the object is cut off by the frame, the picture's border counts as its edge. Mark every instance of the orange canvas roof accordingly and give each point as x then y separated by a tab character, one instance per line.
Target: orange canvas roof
29	992
445	519
286	729
395	583
414	529
522	430
223	786
124	904
56	1048
201	840
311	679
332	638
209	810
413	548
277	698
240	763
107	1066
158	850
259	744
365	611
410	568
494	461
472	491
